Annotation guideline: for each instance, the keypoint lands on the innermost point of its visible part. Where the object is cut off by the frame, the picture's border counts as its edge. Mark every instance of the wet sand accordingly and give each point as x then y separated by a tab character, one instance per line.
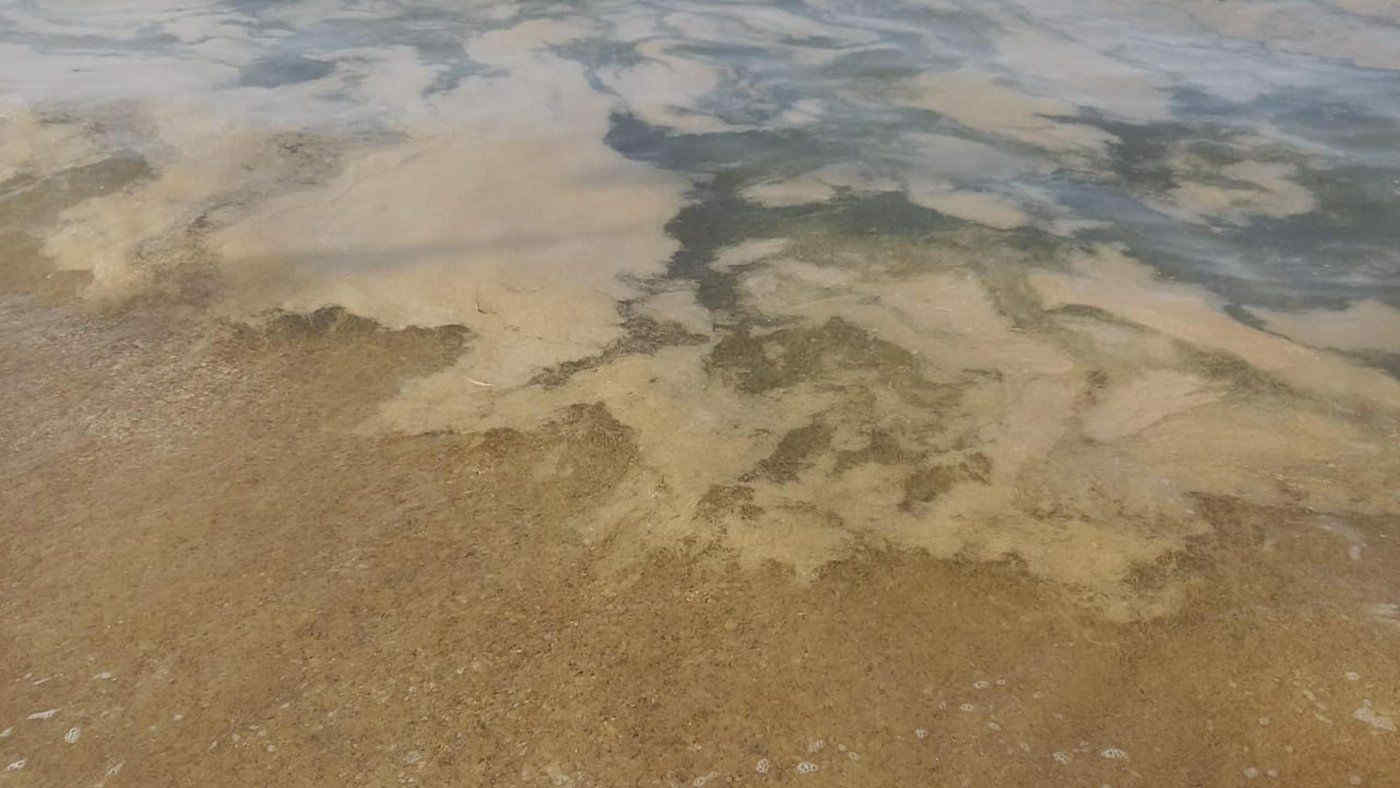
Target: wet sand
217	573
570	430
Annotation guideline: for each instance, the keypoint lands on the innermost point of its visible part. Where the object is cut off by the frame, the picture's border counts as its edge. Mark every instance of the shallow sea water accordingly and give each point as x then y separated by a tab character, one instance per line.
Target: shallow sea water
666	393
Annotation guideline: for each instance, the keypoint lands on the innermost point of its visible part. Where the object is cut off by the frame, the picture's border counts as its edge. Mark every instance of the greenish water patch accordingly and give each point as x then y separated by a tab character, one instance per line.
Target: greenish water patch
792	454
784	358
27	200
642	335
926	485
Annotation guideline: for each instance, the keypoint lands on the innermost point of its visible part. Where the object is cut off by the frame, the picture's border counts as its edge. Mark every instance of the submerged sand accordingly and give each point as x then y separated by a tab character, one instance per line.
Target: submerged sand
480	448
909	511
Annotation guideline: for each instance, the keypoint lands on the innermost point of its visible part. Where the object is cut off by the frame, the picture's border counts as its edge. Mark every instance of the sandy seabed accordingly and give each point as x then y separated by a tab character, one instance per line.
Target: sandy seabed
936	510
417	456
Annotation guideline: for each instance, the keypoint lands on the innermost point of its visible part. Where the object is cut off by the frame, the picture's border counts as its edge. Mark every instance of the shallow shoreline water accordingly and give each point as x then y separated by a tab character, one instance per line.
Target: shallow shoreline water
686	394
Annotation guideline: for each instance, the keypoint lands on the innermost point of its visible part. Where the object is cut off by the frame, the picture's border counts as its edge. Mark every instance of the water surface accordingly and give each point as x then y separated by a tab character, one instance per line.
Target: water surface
851	393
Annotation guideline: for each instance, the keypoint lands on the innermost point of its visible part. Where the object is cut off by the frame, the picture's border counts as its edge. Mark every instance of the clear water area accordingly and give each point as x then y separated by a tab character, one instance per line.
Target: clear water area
848	393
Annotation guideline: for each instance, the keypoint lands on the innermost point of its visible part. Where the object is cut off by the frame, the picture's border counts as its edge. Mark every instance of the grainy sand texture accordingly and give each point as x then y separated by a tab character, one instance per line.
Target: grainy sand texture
830	393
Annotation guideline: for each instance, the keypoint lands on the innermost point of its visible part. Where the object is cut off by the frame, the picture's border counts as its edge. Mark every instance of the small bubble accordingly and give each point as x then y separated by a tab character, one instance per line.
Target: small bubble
968	707
919	733
981	684
1114	754
993	726
72	735
806	767
1353	675
1061	757
762	766
855	756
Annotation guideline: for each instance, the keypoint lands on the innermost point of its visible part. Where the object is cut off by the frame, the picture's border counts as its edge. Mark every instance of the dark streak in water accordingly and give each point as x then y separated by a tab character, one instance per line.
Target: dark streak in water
719	216
272	72
1342	251
25	201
